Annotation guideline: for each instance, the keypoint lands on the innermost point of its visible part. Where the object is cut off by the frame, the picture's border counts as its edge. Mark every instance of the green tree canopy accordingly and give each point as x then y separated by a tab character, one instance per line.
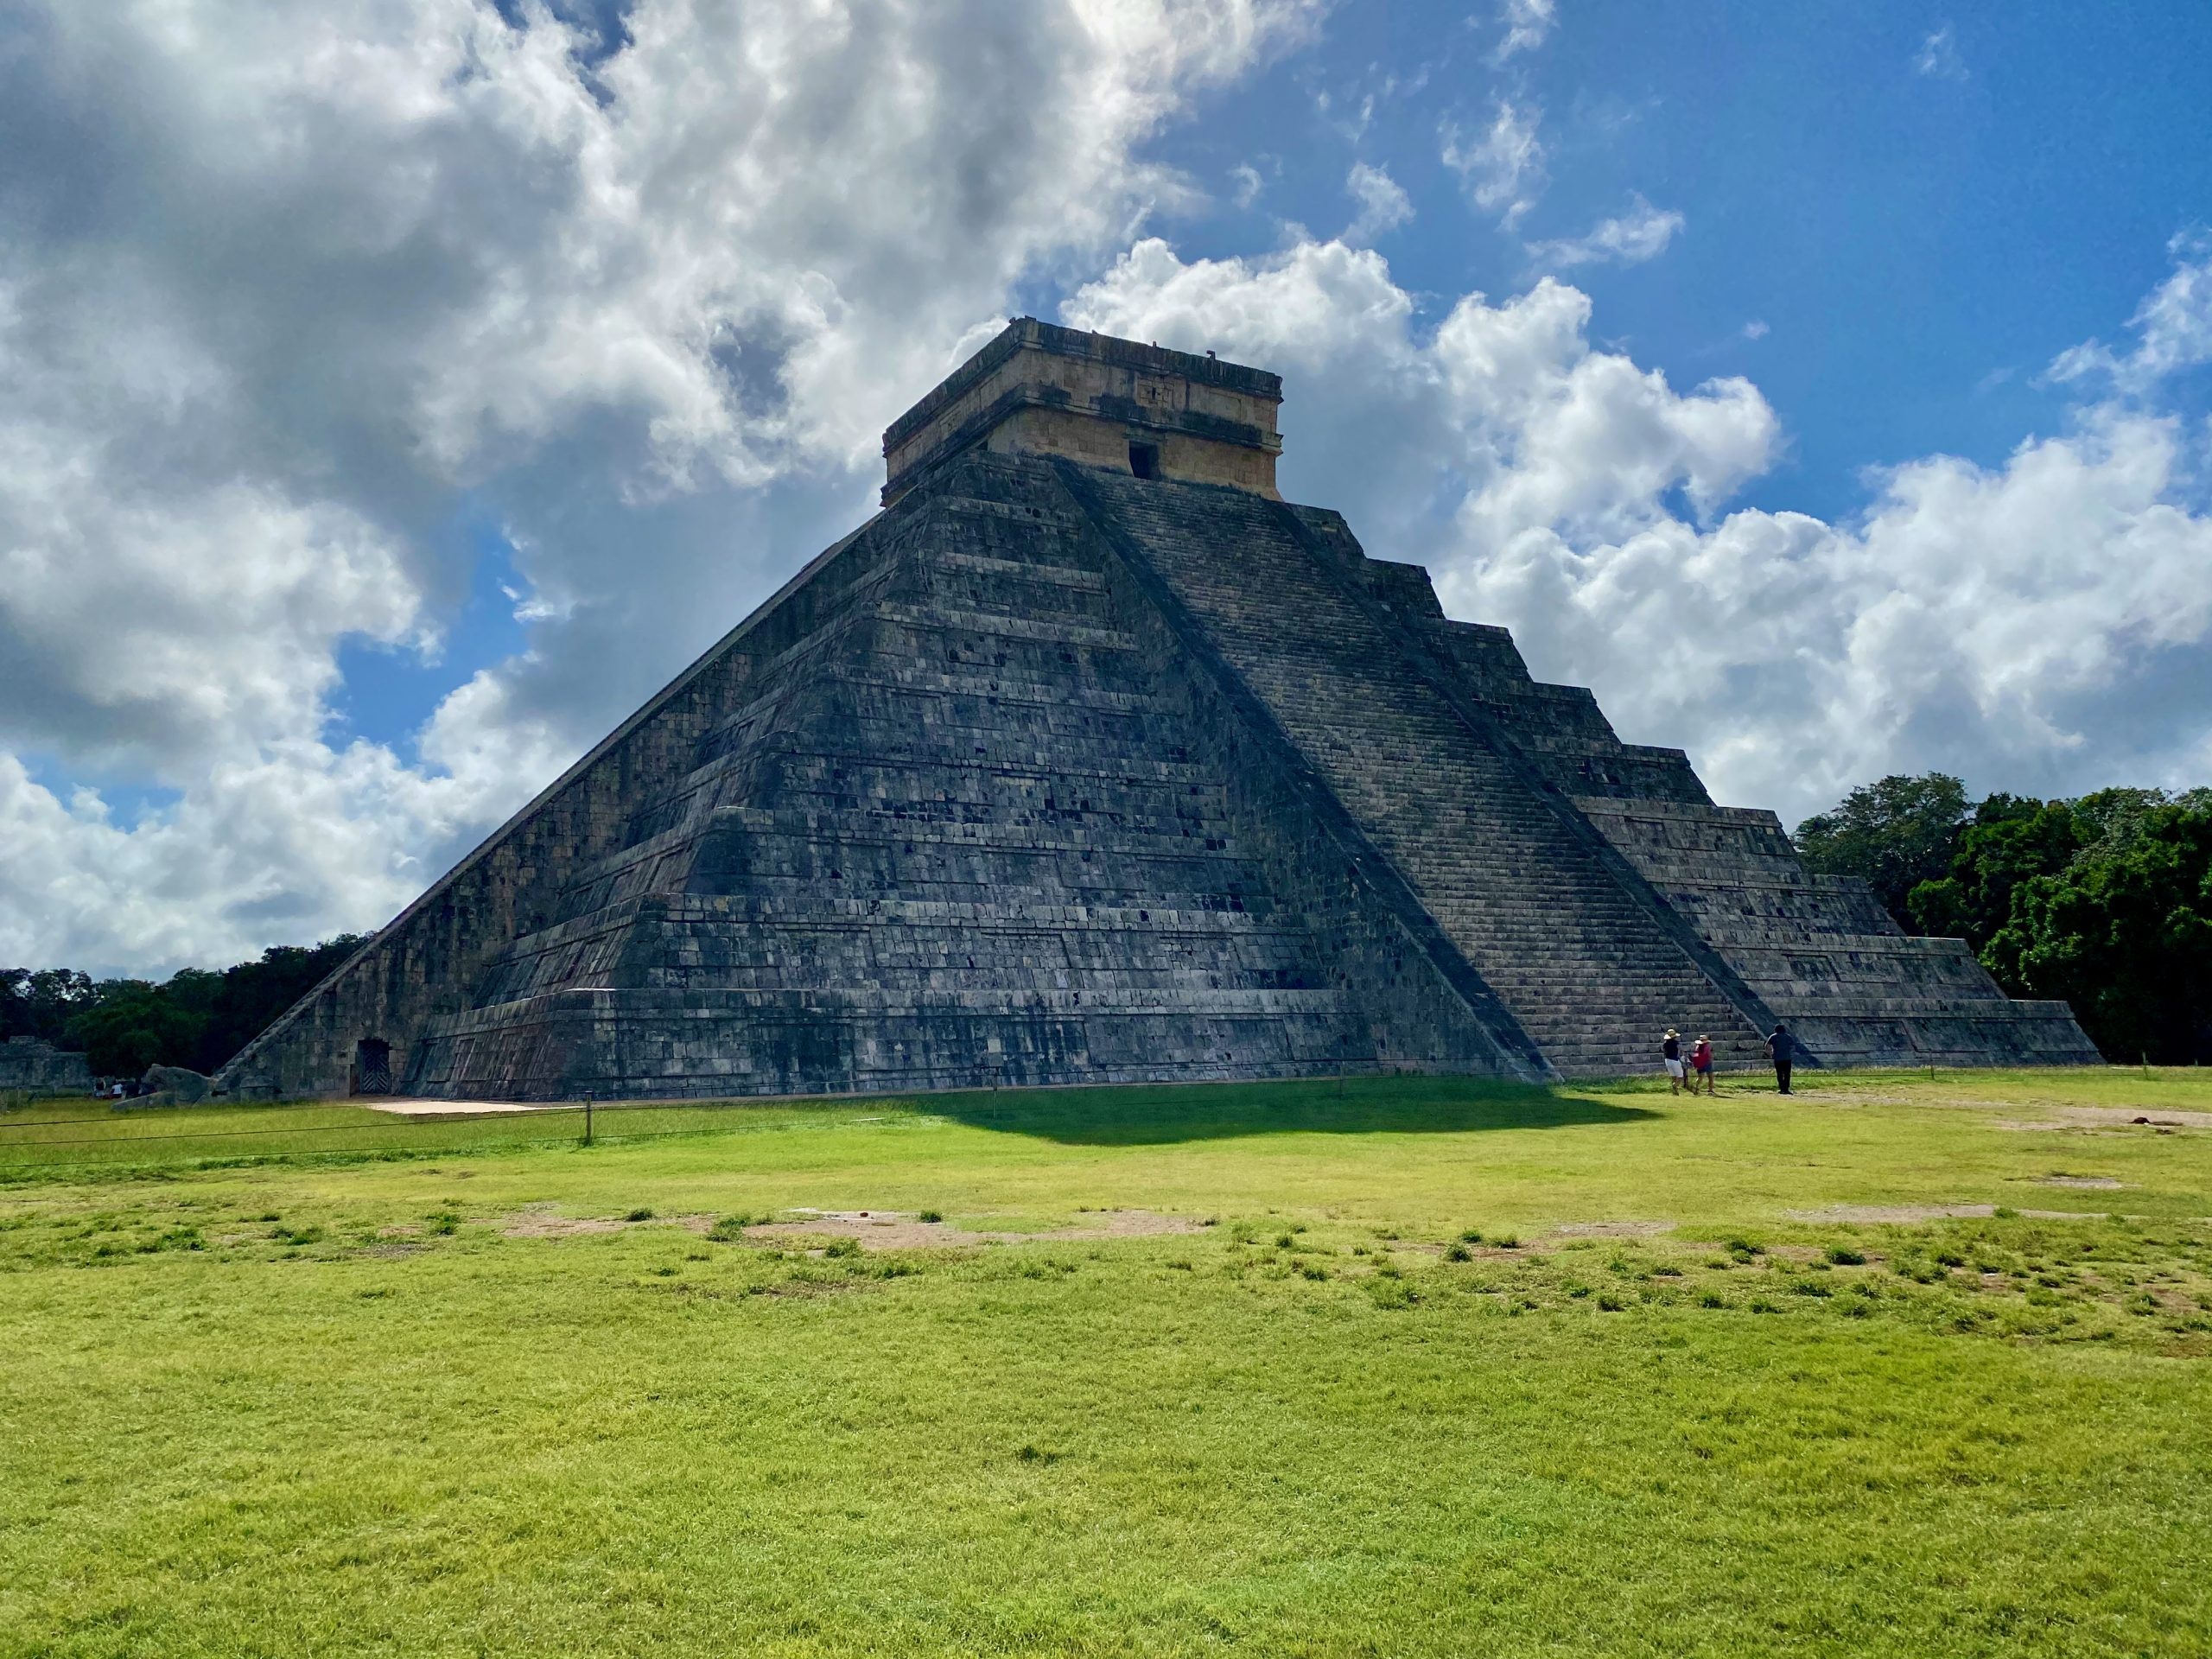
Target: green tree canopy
2009	841
1894	835
2123	931
39	1003
2105	901
198	1018
130	1025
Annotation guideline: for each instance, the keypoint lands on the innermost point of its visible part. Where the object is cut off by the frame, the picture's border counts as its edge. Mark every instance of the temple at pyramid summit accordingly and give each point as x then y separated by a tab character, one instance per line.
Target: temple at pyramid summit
1089	759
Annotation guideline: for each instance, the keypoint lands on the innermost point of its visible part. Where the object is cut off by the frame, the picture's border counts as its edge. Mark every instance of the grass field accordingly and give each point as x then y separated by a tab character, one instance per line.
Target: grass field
1411	1366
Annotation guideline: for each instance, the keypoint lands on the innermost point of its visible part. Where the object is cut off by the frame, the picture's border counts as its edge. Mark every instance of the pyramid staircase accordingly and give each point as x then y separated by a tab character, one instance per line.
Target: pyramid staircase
953	834
1583	963
1090	759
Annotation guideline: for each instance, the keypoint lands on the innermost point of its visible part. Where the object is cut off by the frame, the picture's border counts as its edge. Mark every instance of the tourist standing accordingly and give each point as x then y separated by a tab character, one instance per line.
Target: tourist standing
1702	1067
1783	1047
1670	1050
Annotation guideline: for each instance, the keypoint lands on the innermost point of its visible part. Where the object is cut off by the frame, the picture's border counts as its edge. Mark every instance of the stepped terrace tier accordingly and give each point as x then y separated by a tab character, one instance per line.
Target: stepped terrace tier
1089	759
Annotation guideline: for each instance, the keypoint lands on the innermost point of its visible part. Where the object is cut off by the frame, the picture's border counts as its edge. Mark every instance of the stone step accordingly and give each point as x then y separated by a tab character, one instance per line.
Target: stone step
1022	570
1006	627
965	1001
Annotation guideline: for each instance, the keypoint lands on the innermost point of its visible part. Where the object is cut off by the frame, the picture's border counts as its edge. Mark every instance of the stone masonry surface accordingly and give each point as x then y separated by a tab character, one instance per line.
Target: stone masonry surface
31	1066
1052	772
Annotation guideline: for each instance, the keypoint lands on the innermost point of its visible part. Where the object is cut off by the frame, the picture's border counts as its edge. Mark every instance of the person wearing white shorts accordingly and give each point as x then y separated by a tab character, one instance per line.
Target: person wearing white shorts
1670	1051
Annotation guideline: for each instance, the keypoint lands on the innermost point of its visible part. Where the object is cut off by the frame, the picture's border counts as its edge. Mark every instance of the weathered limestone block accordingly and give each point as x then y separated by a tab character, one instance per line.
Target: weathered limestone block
31	1066
174	1085
1090	759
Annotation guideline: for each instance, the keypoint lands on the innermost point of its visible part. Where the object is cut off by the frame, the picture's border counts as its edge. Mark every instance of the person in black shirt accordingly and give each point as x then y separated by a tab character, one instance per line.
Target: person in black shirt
1670	1050
1783	1047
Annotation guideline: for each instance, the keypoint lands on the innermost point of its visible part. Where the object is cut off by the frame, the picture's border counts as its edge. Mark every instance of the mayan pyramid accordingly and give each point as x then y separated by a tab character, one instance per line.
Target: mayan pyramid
1089	759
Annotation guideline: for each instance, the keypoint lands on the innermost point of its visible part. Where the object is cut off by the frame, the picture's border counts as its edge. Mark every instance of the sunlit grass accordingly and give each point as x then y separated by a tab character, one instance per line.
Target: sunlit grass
1435	1367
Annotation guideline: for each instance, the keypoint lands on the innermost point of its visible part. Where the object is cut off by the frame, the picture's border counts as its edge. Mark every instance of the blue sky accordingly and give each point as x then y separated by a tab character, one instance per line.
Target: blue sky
1918	243
1912	212
396	392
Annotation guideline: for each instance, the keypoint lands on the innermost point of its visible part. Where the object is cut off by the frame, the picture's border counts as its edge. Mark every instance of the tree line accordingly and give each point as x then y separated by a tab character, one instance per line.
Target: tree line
197	1017
2104	900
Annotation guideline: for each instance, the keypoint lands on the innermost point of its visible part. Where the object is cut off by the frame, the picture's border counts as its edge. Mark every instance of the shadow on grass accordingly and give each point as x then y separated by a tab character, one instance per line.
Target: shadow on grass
1138	1115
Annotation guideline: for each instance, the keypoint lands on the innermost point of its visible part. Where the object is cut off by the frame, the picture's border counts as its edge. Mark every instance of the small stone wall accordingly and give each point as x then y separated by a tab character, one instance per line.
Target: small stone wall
31	1066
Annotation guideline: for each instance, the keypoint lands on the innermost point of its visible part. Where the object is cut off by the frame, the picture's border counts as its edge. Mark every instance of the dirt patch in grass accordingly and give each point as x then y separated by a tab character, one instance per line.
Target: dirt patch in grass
2106	1120
1910	1212
540	1221
891	1229
2127	1114
1612	1230
395	1108
537	1225
2082	1183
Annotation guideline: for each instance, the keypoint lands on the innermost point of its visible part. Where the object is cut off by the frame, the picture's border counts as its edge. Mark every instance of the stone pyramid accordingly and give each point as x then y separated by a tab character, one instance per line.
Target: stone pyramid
1089	759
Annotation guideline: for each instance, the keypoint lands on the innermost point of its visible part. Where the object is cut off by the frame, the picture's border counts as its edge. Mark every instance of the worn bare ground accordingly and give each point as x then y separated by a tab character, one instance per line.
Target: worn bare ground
2151	1115
890	1230
2106	1120
2055	1112
876	1229
1612	1230
539	1221
1908	1212
2082	1183
463	1108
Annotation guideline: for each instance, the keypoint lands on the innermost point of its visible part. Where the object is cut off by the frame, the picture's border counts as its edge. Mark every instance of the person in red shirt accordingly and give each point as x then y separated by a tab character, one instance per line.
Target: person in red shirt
1702	1067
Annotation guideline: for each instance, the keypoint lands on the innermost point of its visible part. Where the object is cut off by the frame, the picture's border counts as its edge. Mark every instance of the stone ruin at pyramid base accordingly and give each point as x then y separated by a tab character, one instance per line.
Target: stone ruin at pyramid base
31	1066
1090	759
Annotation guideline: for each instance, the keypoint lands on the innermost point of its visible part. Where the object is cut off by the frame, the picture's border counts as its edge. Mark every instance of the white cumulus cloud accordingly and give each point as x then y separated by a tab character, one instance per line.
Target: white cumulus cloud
2041	624
1502	168
2172	327
288	294
1384	206
1641	233
1528	24
1938	57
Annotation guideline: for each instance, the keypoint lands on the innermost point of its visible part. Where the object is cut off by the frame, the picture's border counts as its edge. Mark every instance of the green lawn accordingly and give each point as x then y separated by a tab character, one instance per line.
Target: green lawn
1713	1378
